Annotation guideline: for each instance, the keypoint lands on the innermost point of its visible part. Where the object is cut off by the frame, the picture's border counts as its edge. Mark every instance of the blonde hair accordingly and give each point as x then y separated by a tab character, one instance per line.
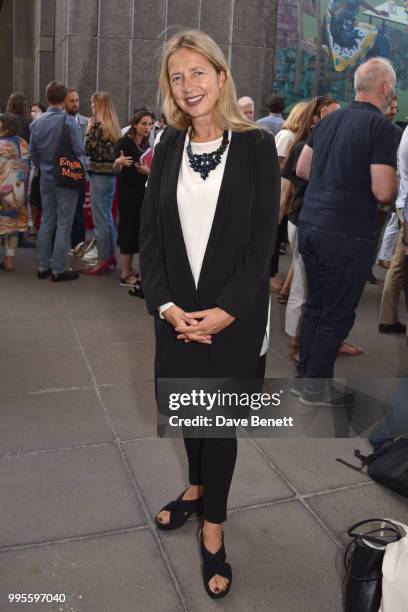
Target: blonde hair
227	112
106	114
296	117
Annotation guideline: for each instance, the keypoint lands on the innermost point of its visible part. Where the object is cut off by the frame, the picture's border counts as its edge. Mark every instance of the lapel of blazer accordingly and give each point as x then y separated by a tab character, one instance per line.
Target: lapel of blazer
174	153
223	202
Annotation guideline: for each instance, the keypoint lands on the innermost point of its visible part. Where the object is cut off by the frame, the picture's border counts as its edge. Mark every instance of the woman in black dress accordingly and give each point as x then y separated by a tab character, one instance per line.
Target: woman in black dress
209	221
131	188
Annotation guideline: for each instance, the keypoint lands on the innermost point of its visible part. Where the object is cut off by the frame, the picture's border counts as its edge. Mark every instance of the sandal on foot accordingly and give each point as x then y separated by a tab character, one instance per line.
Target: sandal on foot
350	349
215	564
180	511
124	280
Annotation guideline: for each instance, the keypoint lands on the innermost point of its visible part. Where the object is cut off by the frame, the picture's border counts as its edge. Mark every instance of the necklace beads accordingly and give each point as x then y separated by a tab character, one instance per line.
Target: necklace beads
203	163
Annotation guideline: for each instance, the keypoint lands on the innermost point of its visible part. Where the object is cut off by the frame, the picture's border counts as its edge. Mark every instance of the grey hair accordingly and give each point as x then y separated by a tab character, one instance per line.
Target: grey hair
245	100
369	74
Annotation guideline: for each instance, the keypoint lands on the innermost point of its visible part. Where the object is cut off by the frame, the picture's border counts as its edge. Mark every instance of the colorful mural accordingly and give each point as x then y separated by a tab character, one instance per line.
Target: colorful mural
320	43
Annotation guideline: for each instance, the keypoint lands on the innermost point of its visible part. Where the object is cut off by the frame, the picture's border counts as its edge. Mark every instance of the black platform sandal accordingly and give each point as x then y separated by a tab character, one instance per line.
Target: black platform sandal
215	564
180	511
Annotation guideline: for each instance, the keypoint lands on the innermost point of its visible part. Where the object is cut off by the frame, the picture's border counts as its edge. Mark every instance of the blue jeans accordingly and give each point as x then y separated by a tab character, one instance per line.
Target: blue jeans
58	210
336	266
102	192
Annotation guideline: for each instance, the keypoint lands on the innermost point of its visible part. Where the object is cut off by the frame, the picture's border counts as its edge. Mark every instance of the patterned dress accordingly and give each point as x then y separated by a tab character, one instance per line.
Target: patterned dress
14	168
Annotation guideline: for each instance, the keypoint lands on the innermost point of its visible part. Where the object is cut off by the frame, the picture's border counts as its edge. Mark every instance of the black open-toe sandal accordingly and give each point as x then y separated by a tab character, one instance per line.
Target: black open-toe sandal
180	511
215	564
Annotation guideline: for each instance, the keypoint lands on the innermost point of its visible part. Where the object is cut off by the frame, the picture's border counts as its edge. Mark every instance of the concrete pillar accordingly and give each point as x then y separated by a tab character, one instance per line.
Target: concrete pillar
6	46
43	48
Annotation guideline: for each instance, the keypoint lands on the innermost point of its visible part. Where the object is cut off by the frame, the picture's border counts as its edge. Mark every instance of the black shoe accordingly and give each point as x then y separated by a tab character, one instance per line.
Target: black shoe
137	290
44	274
215	563
24	243
393	328
372	279
64	276
180	511
331	397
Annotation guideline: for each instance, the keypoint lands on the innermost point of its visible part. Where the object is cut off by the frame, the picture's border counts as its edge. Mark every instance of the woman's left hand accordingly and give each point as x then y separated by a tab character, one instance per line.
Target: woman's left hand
142	169
212	321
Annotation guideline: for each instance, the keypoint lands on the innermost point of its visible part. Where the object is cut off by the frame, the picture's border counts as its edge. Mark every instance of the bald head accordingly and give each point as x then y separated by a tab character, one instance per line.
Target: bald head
374	81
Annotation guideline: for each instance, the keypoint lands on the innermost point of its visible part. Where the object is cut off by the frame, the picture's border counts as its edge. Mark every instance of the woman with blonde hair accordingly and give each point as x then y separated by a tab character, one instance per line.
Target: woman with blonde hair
101	136
208	227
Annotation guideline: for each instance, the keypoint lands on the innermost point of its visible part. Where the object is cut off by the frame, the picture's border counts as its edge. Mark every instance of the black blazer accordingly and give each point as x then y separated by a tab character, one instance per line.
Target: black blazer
236	265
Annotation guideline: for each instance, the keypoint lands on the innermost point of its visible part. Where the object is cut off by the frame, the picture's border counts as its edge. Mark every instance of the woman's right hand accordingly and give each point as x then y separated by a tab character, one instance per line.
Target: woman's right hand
122	160
175	316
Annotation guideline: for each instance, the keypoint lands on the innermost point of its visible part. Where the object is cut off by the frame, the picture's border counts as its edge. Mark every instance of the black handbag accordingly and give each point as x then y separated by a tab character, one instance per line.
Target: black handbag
363	564
388	465
70	172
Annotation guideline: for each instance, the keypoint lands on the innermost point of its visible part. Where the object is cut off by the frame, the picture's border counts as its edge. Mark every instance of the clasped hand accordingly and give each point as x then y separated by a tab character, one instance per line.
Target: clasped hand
197	326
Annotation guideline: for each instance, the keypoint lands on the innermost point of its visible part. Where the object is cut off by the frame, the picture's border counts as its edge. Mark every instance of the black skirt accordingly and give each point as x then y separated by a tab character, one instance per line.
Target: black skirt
130	198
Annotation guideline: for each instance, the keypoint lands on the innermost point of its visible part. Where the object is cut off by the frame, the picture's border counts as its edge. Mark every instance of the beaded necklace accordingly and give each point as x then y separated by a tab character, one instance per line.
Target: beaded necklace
203	163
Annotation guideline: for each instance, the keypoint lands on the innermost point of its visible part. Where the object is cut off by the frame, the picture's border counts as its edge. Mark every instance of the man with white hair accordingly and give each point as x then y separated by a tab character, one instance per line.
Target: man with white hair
247	107
350	163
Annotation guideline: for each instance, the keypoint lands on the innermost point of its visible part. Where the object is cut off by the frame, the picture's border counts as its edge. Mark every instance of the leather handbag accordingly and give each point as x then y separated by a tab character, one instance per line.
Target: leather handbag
363	561
70	172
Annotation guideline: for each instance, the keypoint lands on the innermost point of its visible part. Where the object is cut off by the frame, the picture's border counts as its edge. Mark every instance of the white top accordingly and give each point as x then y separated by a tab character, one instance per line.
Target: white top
403	171
197	201
284	140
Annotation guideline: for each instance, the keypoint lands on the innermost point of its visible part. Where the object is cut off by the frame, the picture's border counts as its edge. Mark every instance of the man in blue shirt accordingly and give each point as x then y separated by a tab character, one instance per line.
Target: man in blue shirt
58	203
274	121
350	162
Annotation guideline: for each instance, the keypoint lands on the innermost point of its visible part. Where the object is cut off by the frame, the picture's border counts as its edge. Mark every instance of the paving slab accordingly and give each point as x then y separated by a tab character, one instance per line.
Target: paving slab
102	329
311	464
164	476
341	510
44	334
67	493
118	573
281	560
40	370
132	409
51	420
18	305
122	363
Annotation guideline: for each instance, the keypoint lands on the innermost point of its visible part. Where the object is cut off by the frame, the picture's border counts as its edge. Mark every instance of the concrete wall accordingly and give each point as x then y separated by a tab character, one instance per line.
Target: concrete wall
98	47
115	46
6	48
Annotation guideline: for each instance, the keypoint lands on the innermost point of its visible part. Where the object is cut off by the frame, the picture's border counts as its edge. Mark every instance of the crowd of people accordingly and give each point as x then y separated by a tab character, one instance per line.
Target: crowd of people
33	198
210	217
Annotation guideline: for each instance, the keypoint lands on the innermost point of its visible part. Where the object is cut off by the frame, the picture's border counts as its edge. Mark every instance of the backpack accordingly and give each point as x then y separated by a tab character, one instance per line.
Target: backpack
388	465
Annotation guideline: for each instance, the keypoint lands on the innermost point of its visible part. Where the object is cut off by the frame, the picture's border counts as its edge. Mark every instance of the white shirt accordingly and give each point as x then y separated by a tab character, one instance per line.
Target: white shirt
197	202
403	171
284	140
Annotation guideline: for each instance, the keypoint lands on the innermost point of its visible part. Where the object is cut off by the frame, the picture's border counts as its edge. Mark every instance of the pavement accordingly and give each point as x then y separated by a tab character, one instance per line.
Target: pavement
82	473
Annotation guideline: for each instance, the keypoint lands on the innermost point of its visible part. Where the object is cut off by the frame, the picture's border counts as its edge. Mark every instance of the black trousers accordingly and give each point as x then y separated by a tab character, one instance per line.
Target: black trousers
337	266
282	232
211	463
78	231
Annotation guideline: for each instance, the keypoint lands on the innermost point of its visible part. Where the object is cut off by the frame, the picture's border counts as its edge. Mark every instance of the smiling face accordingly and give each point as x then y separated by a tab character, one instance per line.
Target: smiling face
195	83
